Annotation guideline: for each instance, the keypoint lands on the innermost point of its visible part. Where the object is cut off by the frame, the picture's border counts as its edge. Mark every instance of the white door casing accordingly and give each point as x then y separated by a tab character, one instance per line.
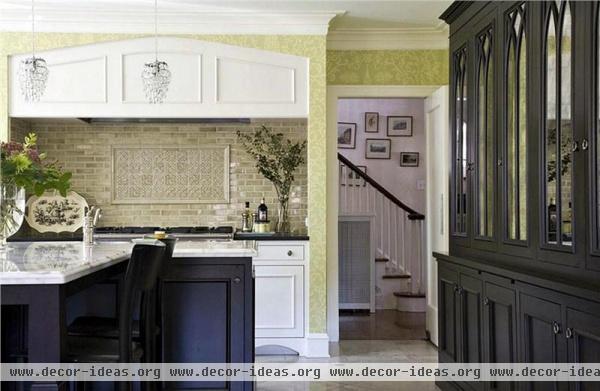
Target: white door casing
209	80
436	127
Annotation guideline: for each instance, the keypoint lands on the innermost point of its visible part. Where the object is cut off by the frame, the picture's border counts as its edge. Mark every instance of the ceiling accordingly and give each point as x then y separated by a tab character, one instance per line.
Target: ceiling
226	16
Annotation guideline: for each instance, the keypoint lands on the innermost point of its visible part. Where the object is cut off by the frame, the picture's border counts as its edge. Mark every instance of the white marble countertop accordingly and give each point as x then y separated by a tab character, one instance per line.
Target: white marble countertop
26	263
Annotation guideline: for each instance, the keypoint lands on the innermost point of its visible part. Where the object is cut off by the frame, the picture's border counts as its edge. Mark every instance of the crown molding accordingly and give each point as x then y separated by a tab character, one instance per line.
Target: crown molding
73	20
389	39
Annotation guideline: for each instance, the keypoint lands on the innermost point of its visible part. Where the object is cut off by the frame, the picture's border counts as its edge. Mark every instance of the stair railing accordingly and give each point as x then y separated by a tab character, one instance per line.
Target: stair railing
398	229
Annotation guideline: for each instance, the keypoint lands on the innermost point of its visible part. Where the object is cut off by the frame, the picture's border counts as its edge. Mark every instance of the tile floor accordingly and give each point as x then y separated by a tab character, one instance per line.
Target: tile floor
360	351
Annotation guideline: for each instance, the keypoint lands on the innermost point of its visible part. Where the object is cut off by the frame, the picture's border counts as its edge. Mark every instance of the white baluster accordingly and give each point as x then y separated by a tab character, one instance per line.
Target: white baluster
379	214
388	227
345	179
406	227
394	233
402	240
422	257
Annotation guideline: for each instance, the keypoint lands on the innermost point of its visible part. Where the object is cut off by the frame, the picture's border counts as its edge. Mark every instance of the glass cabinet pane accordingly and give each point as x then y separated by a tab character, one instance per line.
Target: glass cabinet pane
515	168
461	167
558	132
485	136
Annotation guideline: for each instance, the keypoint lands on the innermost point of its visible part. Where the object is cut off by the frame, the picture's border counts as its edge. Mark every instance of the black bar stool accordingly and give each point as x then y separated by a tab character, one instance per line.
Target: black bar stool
140	279
141	331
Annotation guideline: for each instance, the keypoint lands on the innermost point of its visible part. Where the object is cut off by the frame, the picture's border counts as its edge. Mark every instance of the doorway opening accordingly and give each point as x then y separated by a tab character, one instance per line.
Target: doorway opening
381	290
380	283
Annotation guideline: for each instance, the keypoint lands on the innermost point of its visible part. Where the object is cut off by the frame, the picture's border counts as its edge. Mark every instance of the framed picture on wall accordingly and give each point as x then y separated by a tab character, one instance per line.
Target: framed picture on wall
352	178
371	122
409	159
346	135
378	148
399	126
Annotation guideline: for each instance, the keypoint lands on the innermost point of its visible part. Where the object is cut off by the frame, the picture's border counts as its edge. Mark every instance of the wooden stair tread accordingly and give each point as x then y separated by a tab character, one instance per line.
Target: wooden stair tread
408	294
382	260
395	275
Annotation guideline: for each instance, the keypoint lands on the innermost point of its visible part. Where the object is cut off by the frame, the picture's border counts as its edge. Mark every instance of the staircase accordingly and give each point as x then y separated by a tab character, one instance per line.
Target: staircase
398	235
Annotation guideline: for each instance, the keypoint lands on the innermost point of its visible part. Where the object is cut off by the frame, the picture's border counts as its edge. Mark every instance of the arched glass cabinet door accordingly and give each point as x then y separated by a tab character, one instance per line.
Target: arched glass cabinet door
460	165
515	157
558	142
485	143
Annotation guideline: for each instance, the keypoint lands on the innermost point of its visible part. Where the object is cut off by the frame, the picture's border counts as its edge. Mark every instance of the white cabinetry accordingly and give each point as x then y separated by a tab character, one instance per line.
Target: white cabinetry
281	289
279	295
209	80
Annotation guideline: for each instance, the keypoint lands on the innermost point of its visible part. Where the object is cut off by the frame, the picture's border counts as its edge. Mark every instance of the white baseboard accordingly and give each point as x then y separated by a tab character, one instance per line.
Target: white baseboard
314	345
317	345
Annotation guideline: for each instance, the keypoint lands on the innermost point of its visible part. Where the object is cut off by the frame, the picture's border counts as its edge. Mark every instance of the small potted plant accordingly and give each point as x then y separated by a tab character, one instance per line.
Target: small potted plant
277	158
25	169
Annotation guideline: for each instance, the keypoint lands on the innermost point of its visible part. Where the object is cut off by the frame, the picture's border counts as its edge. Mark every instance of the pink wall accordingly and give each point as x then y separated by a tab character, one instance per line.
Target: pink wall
400	181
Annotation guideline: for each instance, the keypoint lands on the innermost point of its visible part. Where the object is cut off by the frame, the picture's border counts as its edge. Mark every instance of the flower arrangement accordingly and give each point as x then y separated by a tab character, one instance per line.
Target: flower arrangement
24	166
277	158
24	169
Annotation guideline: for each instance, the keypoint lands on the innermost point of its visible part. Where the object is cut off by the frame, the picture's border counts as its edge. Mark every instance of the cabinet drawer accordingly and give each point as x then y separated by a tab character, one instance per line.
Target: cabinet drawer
280	252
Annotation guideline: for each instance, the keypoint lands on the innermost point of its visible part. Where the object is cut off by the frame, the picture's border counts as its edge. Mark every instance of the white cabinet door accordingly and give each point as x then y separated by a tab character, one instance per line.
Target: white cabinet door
279	295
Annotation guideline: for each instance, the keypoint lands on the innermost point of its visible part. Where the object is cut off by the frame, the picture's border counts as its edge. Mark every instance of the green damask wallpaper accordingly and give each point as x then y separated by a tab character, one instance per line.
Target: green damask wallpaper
312	47
387	67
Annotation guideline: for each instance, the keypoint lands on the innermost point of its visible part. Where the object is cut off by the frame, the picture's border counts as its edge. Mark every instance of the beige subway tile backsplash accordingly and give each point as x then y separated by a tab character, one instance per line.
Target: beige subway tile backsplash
85	150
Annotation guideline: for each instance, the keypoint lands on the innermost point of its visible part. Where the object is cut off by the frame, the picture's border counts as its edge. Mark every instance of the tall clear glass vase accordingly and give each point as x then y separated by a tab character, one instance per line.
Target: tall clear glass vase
12	211
283	218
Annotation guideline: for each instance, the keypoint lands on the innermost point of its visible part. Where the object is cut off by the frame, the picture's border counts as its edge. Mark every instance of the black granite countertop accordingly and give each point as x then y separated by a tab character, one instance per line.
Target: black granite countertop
275	236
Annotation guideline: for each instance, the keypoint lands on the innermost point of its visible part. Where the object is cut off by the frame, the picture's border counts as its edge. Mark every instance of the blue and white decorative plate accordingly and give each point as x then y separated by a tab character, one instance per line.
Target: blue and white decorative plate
52	212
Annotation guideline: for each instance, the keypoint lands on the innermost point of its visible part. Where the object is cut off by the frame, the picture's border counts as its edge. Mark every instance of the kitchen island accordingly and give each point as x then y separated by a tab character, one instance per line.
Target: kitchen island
207	299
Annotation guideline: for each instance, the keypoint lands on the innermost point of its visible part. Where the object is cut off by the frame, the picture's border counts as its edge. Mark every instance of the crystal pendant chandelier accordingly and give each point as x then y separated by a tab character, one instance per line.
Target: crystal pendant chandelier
33	72
156	75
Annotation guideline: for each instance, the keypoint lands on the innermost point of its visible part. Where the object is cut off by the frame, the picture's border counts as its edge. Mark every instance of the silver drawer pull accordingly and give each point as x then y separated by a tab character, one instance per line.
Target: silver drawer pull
290	253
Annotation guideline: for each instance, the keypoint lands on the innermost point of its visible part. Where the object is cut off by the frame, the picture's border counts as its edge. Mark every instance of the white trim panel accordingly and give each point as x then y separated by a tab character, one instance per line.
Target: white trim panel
79	17
387	39
104	80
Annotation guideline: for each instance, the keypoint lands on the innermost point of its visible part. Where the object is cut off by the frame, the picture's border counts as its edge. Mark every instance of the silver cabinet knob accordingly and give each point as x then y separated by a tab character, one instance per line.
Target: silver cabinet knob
569	333
575	146
237	280
486	301
585	144
555	327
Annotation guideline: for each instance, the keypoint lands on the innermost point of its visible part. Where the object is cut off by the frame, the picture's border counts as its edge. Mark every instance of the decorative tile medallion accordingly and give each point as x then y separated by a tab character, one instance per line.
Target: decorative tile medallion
170	175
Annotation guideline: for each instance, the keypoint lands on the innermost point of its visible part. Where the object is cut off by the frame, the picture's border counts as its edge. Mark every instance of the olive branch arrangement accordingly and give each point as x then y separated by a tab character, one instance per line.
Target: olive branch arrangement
277	159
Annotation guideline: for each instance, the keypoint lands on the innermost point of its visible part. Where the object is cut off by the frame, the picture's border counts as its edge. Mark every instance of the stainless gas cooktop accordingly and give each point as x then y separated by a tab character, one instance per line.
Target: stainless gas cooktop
189	233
